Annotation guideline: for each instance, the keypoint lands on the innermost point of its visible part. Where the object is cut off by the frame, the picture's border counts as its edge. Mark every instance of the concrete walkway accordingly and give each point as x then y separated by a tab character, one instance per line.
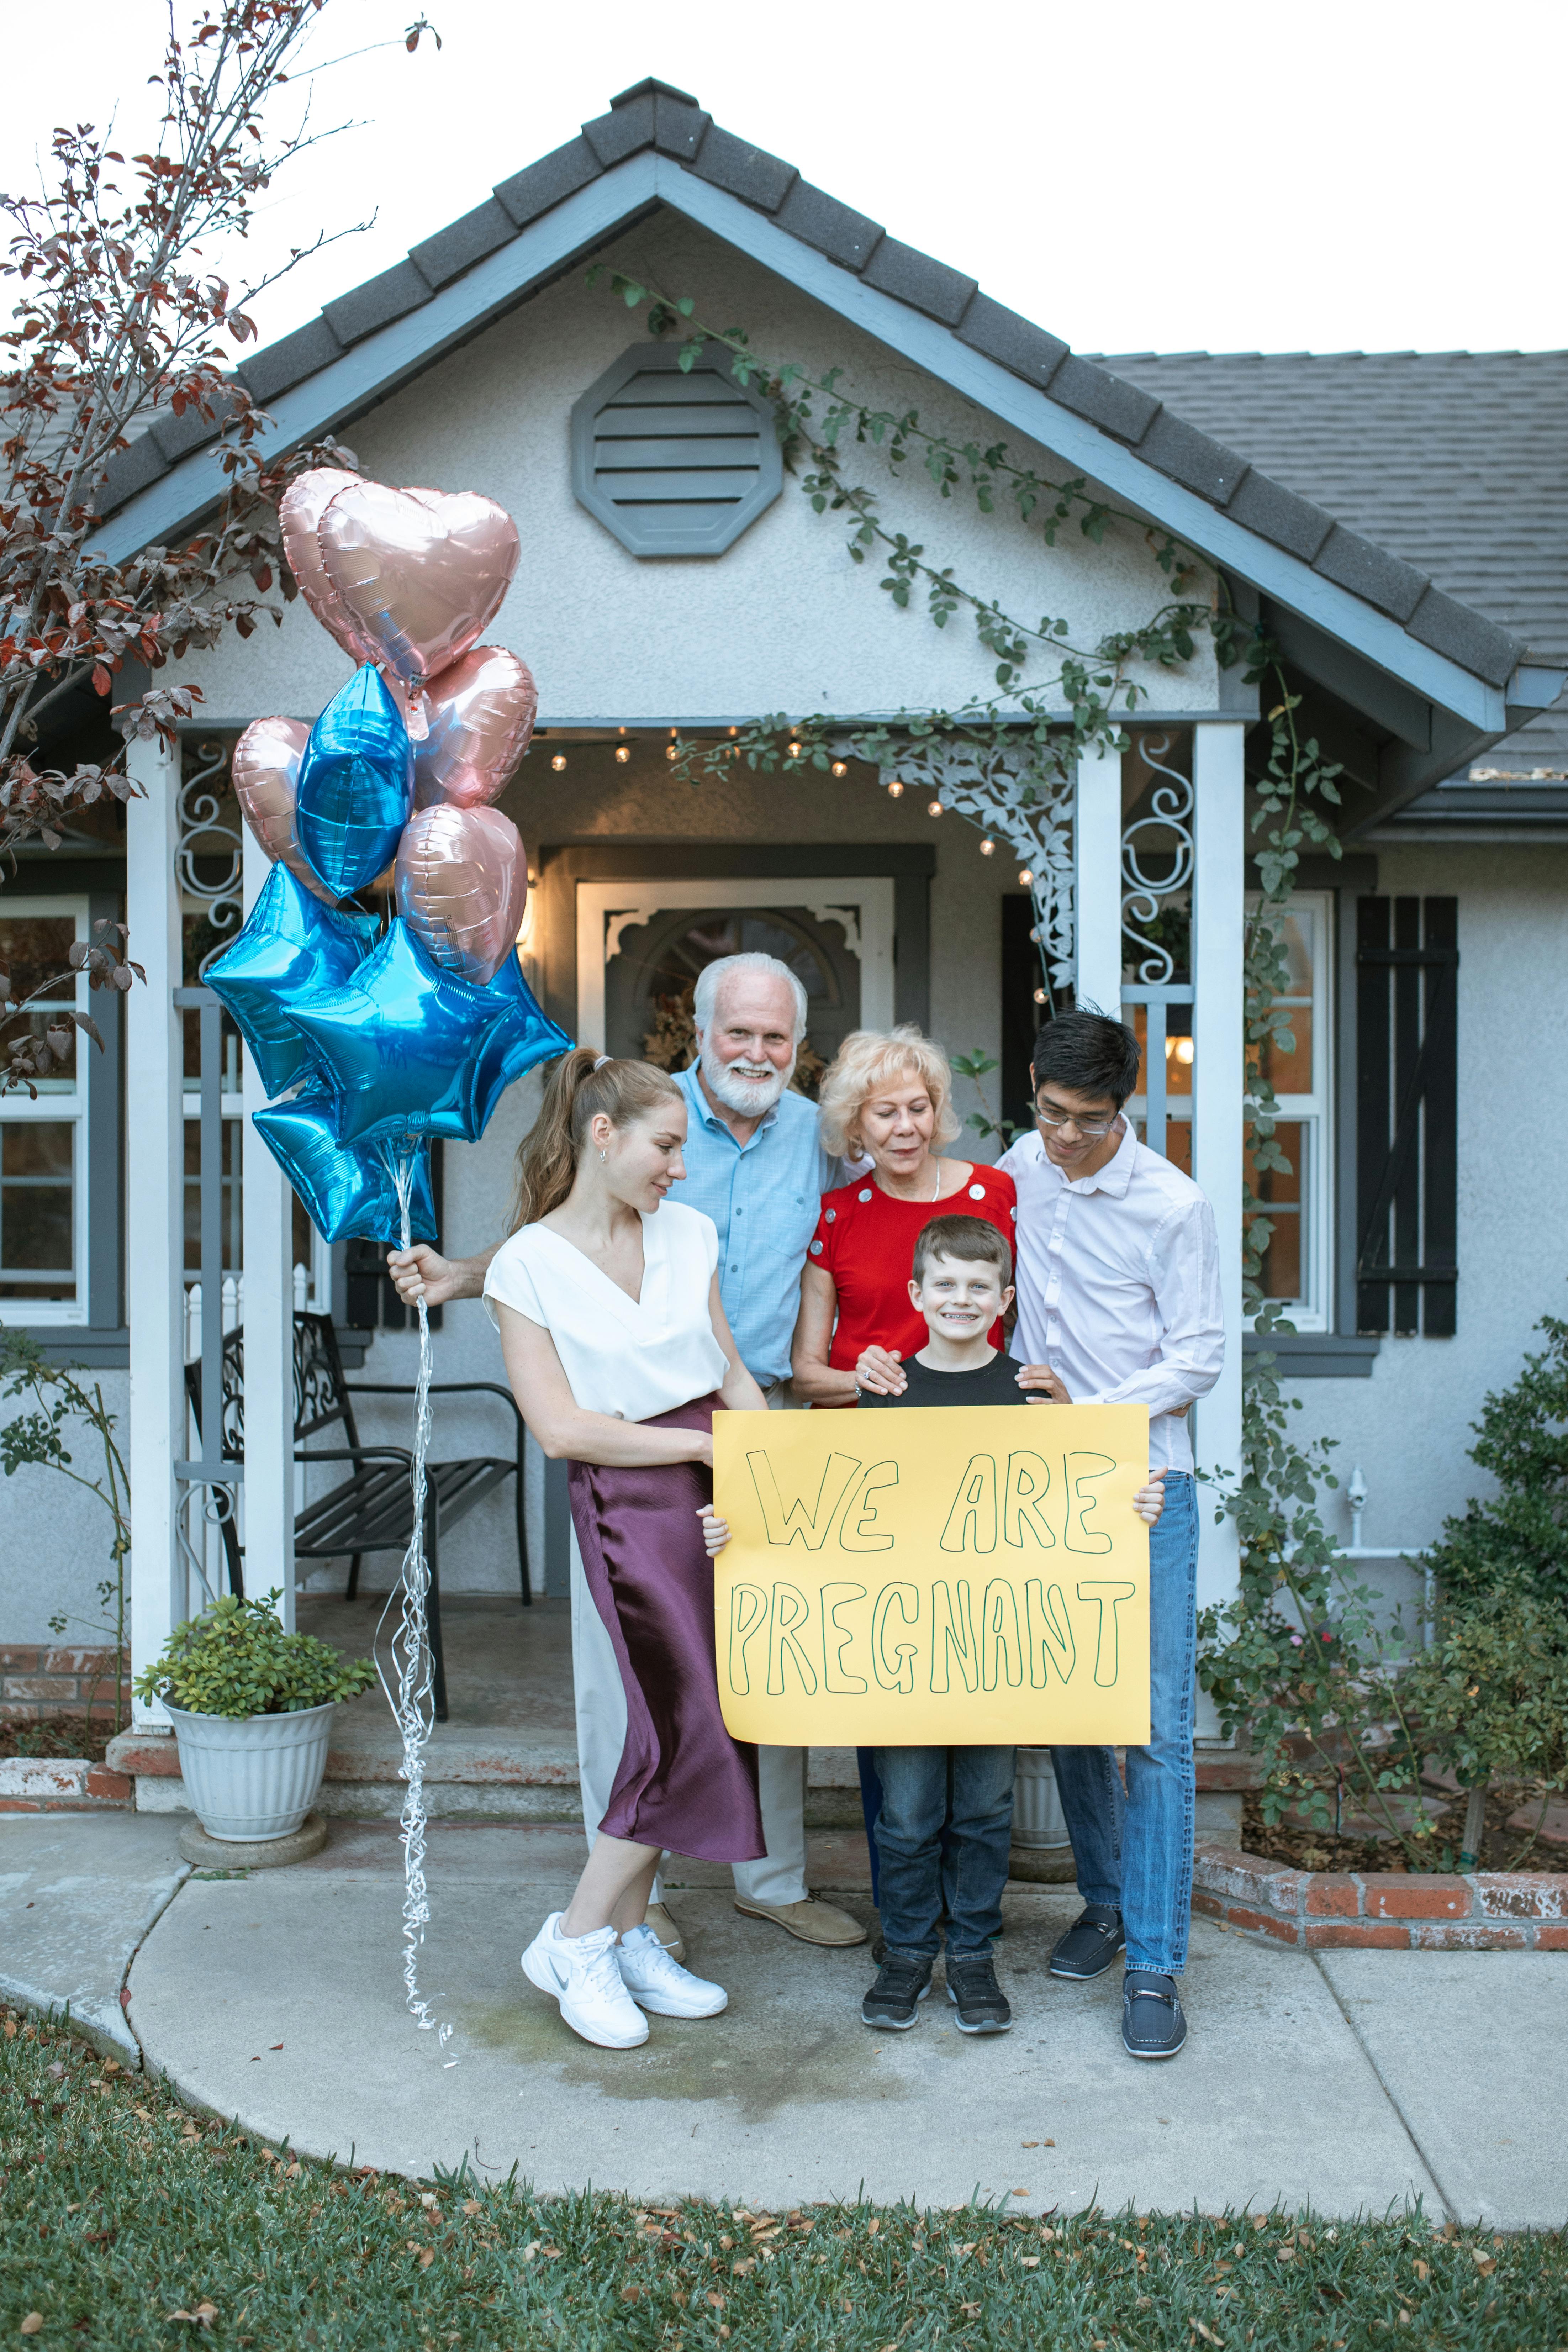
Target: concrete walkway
1356	2082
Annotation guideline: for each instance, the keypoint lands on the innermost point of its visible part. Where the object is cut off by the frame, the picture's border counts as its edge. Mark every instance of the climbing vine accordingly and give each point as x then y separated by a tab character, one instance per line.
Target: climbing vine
1298	1659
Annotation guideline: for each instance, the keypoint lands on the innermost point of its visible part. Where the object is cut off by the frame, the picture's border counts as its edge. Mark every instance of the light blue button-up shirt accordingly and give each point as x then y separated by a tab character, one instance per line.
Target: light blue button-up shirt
764	1196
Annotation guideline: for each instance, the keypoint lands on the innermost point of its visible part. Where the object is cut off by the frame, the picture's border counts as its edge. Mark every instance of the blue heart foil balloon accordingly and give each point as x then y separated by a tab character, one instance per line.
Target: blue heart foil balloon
349	1193
356	792
410	1050
292	950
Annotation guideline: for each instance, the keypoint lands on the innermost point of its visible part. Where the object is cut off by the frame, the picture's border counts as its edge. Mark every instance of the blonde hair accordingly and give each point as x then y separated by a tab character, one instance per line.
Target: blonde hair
870	1059
580	1085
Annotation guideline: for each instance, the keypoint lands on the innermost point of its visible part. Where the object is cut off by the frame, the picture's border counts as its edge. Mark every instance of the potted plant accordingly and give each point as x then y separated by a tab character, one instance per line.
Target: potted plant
252	1708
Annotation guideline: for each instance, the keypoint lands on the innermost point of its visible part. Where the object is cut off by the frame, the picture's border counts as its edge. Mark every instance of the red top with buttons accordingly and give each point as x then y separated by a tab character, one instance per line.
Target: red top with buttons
866	1240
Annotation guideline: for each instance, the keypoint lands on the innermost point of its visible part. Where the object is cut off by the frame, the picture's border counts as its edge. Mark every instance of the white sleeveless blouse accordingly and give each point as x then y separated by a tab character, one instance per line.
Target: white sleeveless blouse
631	1358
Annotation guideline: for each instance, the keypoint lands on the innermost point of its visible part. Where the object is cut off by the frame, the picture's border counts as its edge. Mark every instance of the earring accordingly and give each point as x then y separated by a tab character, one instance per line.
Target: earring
602	1157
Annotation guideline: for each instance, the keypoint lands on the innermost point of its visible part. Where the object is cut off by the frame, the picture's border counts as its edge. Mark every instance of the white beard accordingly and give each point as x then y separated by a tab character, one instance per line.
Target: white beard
750	1095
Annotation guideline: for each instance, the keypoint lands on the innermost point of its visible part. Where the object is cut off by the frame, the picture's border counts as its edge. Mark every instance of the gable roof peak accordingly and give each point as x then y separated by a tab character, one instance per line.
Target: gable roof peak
649	86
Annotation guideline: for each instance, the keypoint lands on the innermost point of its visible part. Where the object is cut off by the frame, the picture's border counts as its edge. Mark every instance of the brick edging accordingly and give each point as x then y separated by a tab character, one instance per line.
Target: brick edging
1494	1911
61	1784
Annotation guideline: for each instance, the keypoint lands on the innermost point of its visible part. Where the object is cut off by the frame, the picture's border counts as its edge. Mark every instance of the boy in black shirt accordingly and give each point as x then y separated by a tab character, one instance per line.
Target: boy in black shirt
961	1283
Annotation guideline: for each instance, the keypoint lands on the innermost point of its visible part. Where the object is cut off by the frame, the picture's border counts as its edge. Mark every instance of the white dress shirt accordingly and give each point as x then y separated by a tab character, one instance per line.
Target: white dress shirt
1118	1280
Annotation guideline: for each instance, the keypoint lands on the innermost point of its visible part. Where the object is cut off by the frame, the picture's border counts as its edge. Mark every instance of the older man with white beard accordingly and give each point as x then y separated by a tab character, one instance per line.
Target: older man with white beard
754	1165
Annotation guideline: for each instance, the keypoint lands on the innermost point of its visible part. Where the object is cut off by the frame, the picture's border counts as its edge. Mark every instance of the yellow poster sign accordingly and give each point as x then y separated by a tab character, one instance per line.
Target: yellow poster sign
952	1576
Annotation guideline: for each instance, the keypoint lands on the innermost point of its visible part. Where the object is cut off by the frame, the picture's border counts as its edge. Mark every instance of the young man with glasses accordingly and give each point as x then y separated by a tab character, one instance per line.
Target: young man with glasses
1119	1303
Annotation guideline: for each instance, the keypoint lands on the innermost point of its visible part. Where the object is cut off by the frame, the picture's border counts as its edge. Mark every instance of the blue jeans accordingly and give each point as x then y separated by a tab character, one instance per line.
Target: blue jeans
968	1792
1137	1851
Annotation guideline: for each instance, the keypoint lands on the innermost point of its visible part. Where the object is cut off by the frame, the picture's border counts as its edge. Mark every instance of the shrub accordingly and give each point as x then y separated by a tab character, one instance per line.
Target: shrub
236	1660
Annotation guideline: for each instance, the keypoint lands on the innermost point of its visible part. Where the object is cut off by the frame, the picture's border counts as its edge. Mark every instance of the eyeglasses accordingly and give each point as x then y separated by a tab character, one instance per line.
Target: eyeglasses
1090	1134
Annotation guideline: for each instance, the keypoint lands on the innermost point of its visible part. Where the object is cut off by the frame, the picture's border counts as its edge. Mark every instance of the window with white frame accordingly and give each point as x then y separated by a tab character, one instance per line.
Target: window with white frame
44	1140
1298	1265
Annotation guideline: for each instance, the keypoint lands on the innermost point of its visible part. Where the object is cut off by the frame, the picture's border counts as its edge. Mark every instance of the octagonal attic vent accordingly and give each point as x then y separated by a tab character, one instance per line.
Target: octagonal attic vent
674	463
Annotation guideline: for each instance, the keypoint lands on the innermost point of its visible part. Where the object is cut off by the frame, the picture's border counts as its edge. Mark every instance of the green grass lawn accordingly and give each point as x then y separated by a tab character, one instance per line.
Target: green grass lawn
126	2222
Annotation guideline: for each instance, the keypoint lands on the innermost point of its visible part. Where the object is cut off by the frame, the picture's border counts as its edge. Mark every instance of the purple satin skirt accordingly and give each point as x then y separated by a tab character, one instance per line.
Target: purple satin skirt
683	1782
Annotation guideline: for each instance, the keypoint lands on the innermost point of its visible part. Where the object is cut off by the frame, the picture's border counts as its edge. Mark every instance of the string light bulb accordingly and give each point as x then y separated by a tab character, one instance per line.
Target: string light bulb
895	790
672	750
1026	878
623	754
933	808
840	768
795	751
559	762
1039	996
734	731
988	849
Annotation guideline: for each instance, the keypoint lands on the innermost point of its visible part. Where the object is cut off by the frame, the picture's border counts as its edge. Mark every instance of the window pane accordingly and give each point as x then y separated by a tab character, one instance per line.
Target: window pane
38	948
1179	1144
1282	1192
231	1131
1178	1048
1289	1070
36	1247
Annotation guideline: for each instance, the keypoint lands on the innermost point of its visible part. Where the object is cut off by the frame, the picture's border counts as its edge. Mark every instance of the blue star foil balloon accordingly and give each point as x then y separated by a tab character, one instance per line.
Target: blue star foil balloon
408	1049
356	792
348	1191
292	950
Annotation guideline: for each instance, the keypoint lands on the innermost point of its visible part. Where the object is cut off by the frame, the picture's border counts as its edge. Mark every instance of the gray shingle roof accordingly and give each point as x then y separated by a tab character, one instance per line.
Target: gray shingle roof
1187	444
1455	462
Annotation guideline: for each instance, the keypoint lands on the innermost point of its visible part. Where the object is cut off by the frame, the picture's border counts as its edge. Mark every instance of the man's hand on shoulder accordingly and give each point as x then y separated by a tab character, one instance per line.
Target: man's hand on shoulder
1041	1385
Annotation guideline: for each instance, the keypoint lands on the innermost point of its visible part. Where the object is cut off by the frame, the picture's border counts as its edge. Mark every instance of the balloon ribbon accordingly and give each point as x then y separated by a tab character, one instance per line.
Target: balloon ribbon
413	1703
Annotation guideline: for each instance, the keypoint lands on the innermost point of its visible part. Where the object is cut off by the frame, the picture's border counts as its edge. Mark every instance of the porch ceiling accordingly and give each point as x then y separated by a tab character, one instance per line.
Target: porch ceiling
1422	681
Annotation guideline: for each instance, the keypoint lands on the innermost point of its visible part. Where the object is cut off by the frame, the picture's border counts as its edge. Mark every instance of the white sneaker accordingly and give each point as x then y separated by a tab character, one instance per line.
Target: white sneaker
656	1982
580	1972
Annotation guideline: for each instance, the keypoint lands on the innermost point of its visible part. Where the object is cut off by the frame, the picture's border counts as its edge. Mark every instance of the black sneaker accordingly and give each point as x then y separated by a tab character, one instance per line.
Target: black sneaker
1091	1943
972	1988
1153	2025
902	1983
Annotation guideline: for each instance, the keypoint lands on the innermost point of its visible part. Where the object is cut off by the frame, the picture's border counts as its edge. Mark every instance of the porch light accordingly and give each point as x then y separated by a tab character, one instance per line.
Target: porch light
559	762
840	768
933	808
1179	1049
622	754
988	849
895	790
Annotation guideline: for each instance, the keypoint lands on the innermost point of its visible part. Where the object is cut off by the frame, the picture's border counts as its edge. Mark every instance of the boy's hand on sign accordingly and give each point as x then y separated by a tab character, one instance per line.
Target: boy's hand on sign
878	1370
1150	1500
715	1530
1043	1384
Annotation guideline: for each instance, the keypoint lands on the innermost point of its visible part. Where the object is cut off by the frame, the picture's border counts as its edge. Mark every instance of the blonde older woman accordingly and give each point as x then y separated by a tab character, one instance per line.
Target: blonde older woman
888	1098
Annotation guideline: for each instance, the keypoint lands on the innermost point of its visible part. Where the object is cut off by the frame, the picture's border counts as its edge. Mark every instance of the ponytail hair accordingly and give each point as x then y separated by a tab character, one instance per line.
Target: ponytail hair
580	1085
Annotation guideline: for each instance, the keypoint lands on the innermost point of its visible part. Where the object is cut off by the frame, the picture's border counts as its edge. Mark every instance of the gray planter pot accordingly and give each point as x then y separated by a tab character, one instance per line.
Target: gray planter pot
1038	1817
252	1777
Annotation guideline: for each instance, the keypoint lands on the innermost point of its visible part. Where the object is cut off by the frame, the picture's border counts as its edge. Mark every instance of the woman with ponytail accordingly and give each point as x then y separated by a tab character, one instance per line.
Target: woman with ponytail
607	1298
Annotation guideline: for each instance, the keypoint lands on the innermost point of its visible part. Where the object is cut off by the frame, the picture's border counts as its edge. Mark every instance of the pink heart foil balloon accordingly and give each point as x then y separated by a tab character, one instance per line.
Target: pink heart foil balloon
462	885
420	574
478	717
303	504
265	769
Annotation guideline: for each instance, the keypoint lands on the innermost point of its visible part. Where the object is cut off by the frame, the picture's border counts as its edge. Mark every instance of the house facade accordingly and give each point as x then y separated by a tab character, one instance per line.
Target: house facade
676	581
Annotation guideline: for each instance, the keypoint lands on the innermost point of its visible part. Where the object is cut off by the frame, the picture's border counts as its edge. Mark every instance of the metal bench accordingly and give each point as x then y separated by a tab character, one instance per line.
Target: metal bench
371	1509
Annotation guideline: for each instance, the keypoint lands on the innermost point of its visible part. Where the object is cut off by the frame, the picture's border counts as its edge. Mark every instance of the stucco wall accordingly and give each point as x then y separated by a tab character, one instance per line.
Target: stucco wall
784	621
55	1538
1408	1425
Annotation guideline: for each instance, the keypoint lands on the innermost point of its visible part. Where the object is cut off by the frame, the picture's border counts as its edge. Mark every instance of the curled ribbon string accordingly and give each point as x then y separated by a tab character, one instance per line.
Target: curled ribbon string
413	1703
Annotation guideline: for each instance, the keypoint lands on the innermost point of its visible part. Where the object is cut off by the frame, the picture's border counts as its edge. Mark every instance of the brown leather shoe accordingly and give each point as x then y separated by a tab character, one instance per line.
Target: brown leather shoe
811	1922
658	1917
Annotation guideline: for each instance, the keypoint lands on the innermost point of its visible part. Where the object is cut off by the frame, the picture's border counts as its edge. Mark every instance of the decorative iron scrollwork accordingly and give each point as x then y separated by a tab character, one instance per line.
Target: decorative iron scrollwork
204	840
1165	830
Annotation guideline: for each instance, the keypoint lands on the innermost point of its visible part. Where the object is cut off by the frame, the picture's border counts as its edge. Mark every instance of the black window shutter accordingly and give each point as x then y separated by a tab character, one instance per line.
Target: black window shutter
1407	960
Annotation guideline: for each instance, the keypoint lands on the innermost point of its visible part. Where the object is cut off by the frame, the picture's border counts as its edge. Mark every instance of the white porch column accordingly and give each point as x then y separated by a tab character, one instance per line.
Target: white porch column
1219	1083
1097	879
154	1186
268	1240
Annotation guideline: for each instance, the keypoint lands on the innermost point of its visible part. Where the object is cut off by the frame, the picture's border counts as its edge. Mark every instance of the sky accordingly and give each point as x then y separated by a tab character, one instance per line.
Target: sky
1306	175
